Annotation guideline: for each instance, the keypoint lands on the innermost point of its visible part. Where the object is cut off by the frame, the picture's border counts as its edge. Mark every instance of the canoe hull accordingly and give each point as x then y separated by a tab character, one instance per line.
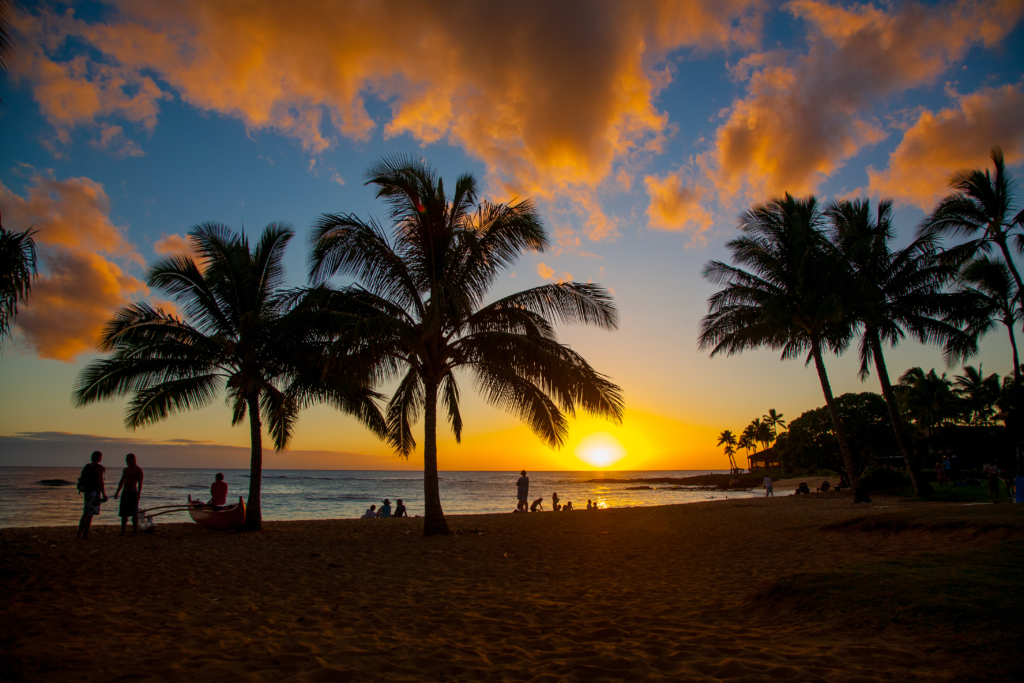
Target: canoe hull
225	519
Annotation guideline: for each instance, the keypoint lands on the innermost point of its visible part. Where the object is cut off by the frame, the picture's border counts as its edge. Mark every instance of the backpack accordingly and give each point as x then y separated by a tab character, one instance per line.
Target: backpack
89	480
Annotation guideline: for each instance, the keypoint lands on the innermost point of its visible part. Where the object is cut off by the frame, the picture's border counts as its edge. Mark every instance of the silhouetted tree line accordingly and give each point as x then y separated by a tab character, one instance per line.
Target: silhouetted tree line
807	280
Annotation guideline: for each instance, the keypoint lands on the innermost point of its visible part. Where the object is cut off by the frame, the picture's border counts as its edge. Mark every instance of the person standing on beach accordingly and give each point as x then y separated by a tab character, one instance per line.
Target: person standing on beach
90	483
554	502
768	487
400	509
131	481
522	491
219	490
991	471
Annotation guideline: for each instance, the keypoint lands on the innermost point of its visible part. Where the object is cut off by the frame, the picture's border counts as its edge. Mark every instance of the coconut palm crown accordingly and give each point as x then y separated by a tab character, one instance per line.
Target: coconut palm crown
785	293
417	313
237	335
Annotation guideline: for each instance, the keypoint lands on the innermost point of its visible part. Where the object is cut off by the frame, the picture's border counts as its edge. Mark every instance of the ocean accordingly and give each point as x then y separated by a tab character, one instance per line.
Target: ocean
330	494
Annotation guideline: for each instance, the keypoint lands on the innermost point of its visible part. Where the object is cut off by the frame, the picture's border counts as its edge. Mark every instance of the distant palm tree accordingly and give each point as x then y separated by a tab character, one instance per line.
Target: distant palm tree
988	283
418	314
979	393
981	209
927	398
728	439
17	270
763	433
895	294
789	299
747	441
237	335
774	420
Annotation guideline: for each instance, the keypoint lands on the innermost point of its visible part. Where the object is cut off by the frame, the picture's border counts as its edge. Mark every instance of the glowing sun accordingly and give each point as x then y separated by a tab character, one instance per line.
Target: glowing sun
600	450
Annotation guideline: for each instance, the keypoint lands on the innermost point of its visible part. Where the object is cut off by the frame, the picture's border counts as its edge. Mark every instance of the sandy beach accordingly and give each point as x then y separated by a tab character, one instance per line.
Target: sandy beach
705	592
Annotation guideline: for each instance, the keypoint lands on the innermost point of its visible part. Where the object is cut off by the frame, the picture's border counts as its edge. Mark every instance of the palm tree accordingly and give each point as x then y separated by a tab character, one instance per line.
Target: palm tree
979	393
728	439
774	420
5	36
418	313
747	442
981	209
790	299
896	294
928	399
993	295
17	269
762	432
237	334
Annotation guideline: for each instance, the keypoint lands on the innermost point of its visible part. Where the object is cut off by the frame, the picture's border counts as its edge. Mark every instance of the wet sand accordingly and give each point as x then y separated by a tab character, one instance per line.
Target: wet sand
660	593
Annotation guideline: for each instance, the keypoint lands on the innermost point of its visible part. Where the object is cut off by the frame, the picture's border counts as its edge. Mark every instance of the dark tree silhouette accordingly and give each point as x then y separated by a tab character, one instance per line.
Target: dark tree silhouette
789	298
993	294
17	270
237	335
417	314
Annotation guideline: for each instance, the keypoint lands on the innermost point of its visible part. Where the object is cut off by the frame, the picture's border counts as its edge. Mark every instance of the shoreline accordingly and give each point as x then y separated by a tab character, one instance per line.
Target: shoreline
685	591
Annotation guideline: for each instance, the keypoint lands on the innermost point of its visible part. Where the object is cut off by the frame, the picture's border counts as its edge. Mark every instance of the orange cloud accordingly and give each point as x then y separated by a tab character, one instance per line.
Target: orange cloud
802	119
173	244
72	301
80	285
550	95
958	137
546	272
677	206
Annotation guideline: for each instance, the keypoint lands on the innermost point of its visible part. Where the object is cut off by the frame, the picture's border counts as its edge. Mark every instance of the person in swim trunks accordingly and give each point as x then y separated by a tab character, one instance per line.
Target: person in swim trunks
92	487
131	482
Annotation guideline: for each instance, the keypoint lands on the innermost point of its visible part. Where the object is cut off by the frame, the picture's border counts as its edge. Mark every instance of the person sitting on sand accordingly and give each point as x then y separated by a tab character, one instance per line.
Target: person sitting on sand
131	481
537	504
554	502
522	491
371	513
803	488
400	509
567	507
590	506
825	486
219	490
90	483
385	509
768	487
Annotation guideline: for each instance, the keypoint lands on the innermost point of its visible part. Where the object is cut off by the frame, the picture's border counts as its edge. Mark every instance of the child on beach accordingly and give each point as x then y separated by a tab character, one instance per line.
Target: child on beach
371	513
554	502
131	481
90	483
537	504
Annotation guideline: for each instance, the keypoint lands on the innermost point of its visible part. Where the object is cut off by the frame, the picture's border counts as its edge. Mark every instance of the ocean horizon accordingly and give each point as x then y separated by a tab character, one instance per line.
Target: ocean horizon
335	494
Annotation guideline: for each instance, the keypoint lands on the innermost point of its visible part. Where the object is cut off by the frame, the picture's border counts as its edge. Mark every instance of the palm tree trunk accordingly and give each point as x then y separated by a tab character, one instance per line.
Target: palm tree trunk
433	516
1016	360
253	513
1013	270
860	493
921	487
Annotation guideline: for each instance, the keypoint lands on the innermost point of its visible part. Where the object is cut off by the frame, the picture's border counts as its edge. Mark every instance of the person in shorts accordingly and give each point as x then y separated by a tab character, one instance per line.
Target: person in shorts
768	487
94	490
131	482
522	491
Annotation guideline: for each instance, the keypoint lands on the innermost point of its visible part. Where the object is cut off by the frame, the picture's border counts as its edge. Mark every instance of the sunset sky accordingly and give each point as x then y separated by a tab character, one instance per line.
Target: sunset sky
642	129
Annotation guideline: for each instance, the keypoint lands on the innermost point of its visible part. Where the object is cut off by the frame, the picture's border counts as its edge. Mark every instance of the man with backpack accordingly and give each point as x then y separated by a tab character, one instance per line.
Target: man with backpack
95	491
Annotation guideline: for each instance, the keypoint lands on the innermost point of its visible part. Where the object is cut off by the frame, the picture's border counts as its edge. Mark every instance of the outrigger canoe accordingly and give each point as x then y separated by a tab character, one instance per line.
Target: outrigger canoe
230	517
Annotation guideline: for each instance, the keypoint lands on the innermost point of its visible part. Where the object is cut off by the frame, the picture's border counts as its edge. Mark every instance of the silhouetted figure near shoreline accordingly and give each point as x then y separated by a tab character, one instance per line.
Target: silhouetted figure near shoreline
131	481
539	503
219	490
400	509
522	491
90	483
554	502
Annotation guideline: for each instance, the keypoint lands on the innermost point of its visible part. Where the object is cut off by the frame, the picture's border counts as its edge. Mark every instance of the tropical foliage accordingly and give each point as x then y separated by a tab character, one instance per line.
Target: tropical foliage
238	335
417	316
17	270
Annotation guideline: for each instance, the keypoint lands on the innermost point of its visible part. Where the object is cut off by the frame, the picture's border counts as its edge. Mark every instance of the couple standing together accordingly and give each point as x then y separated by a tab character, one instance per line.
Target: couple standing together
92	486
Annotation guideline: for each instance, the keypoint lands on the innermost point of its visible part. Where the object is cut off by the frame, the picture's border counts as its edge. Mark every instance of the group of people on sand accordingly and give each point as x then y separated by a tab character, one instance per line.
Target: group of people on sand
94	490
523	496
384	511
